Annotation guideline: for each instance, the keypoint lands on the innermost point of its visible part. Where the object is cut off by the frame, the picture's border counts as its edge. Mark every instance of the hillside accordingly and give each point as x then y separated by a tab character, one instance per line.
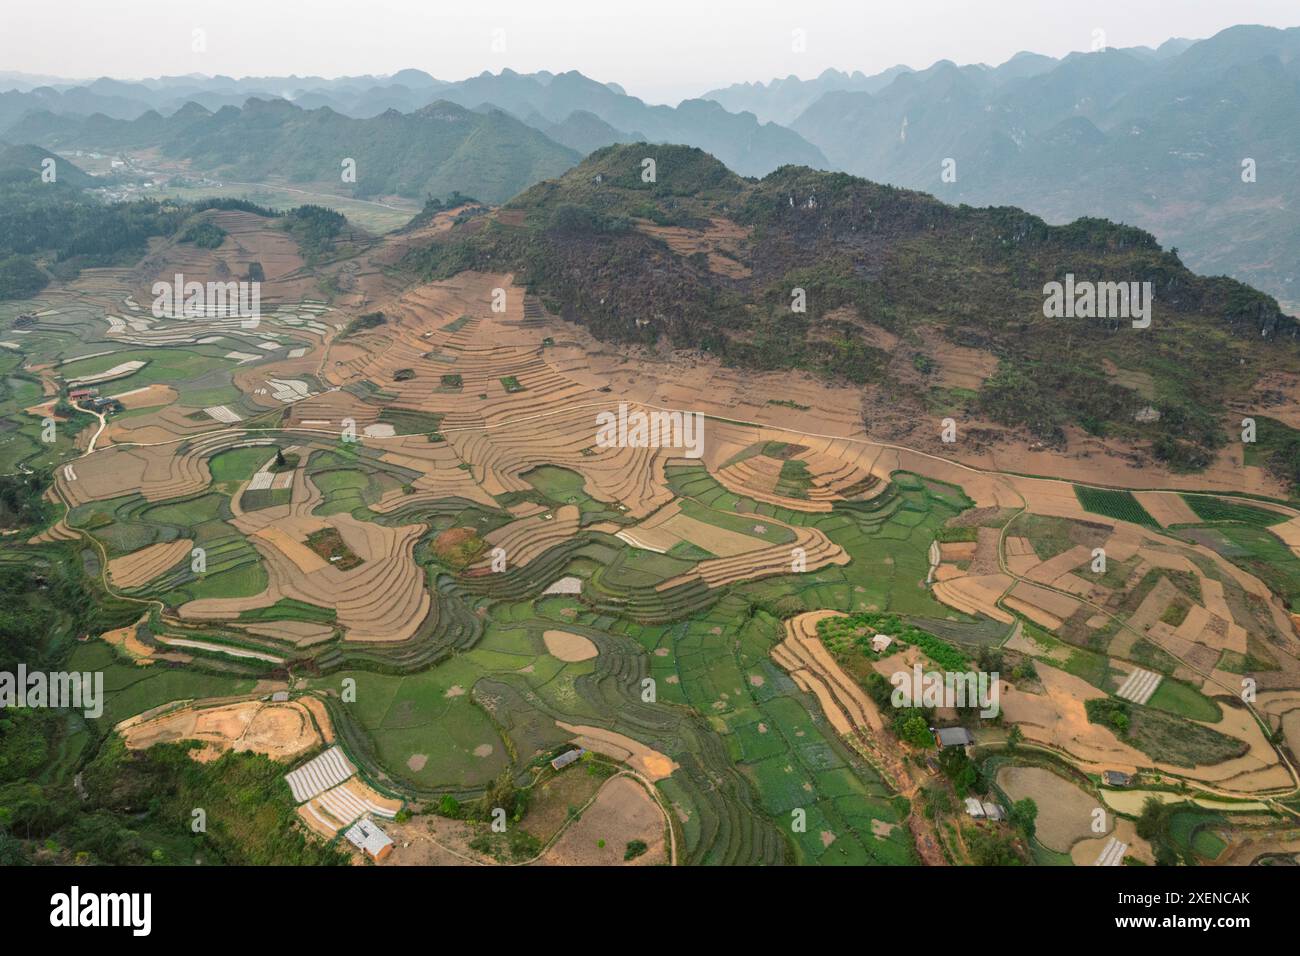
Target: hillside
935	310
436	150
23	163
53	229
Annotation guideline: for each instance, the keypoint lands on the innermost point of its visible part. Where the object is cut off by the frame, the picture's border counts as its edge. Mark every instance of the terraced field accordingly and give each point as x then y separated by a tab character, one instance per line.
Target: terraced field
323	508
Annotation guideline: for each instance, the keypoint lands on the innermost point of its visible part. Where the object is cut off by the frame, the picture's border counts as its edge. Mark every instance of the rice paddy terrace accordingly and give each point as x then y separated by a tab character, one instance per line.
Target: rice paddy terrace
389	502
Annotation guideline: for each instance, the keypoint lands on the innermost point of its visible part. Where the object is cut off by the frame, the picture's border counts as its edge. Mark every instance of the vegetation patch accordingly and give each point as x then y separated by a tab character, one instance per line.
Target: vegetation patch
458	548
1162	736
205	235
329	544
857	630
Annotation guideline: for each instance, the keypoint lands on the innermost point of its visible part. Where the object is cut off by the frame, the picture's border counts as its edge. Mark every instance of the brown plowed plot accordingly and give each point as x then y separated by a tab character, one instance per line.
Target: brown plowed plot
140	567
316	707
1058	718
722	241
622	812
568	647
127	639
280	731
985	559
249	238
1166	508
529	538
845	704
1064	810
1048	608
384	599
59	531
297	633
757	478
650	763
668	527
165	471
1053	569
147	397
447	328
165	424
975	595
954	552
959	366
819	552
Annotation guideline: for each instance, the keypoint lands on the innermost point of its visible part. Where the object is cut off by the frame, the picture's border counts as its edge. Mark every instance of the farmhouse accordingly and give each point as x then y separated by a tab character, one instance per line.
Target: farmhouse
369	839
1114	778
880	642
984	810
566	758
953	737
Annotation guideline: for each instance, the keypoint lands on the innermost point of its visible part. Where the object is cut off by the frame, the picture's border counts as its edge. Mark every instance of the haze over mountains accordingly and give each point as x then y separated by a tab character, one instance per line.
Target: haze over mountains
576	112
1150	137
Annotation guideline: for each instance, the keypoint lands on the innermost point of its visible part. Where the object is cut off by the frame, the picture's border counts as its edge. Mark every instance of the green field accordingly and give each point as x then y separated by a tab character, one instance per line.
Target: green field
1209	508
1185	701
1120	505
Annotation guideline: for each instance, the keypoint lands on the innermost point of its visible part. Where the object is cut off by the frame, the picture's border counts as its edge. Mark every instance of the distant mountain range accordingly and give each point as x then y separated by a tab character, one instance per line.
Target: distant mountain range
575	111
1155	138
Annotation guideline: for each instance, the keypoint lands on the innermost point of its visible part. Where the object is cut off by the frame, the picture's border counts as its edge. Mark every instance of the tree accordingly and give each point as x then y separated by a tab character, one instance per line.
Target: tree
916	732
992	848
503	793
1154	824
1024	816
958	768
1014	737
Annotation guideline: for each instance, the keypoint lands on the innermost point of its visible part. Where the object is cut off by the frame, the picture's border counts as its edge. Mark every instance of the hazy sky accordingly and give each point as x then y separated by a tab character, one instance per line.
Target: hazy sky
660	50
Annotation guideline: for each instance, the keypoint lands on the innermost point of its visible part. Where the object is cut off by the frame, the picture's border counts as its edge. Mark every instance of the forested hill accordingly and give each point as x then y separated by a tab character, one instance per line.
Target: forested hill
703	258
432	151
